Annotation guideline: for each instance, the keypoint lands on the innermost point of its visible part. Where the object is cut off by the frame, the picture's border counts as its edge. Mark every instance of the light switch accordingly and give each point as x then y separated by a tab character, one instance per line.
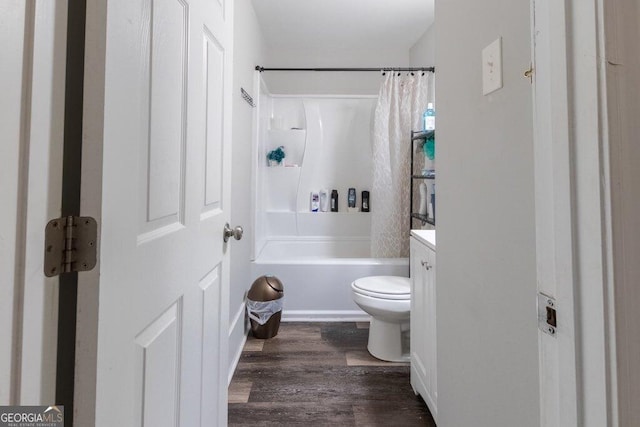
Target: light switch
492	67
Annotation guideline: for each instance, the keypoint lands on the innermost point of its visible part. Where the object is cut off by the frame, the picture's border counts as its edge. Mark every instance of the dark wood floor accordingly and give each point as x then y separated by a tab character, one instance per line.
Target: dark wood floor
319	374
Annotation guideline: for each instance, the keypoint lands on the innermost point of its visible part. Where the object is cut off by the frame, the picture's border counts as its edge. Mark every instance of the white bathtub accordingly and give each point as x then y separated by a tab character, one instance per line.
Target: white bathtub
317	275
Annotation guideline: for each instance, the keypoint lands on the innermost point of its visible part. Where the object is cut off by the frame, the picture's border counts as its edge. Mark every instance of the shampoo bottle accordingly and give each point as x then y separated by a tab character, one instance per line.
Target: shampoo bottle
422	209
334	200
432	205
365	201
324	200
351	198
315	201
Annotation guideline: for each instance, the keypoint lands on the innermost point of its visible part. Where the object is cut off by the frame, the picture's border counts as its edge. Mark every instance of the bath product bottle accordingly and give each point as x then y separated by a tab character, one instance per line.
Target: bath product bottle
351	198
365	201
315	201
429	117
422	209
433	202
324	200
334	200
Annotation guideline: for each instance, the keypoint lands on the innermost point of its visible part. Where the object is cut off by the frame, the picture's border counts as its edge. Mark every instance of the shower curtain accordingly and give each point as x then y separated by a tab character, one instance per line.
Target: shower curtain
402	100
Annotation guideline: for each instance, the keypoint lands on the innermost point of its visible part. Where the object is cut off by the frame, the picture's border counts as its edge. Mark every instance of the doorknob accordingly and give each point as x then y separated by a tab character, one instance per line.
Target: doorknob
235	232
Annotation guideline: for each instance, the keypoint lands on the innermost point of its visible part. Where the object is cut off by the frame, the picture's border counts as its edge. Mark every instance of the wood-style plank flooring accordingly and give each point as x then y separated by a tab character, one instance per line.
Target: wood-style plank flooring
320	374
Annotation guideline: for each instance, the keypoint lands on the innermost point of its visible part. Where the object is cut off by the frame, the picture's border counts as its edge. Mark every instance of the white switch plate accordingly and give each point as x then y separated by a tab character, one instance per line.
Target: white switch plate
492	67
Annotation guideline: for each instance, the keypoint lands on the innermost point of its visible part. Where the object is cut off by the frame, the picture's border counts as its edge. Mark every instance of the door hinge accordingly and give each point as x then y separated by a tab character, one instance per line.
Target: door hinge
547	319
70	245
529	74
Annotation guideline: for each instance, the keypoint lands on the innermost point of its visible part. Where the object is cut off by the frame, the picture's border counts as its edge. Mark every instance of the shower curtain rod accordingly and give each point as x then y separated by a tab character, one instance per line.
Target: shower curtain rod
428	69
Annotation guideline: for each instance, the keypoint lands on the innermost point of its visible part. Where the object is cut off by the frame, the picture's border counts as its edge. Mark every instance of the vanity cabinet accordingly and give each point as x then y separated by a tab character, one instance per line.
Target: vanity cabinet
423	317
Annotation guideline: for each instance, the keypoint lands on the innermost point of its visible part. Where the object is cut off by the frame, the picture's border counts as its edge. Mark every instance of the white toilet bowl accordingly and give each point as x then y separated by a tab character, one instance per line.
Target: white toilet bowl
388	300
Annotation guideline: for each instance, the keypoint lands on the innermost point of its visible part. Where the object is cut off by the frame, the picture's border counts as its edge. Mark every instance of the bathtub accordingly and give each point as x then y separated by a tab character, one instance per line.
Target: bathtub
317	275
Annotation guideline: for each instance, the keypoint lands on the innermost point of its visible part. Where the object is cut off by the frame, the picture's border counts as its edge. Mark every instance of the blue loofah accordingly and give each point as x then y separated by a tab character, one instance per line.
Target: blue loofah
429	148
276	155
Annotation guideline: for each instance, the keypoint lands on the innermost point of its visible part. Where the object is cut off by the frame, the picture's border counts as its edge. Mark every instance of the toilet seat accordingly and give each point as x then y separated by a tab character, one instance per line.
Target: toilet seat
384	287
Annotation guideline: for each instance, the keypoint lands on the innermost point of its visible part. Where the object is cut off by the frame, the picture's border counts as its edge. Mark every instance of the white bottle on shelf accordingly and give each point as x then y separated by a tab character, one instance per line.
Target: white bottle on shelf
422	210
324	200
315	201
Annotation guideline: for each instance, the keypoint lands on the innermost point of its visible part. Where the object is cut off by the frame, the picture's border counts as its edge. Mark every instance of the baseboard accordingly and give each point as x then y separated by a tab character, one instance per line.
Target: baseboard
238	322
325	316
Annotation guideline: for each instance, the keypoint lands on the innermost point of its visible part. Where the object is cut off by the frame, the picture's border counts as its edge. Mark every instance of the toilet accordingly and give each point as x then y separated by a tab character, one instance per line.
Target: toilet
387	299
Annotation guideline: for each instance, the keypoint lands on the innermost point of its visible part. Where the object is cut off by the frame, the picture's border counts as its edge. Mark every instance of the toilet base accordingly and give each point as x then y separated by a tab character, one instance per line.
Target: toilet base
385	341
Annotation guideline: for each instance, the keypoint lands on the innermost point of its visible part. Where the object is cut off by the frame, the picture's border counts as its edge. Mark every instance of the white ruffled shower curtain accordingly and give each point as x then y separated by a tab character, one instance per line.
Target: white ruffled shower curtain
402	100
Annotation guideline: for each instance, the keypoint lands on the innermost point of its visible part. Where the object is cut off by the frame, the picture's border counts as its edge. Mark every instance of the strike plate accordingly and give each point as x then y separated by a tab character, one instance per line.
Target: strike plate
547	319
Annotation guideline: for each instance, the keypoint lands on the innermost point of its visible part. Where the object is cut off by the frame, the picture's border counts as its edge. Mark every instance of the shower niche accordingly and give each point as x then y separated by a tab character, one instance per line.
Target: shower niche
326	141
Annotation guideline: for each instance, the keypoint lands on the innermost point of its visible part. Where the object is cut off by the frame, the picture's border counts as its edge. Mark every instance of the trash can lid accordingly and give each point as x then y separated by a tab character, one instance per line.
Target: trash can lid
274	283
266	288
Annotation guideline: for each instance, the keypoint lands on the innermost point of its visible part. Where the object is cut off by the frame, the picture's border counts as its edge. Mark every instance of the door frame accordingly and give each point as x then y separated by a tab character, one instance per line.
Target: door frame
574	224
32	298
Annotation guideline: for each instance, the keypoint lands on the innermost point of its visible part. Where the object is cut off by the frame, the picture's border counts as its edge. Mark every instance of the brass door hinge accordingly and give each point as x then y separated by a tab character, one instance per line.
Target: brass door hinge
529	74
70	245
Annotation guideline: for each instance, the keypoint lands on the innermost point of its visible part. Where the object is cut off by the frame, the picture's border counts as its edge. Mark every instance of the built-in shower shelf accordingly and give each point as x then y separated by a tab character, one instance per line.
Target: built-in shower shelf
286	131
334	213
319	214
327	224
293	142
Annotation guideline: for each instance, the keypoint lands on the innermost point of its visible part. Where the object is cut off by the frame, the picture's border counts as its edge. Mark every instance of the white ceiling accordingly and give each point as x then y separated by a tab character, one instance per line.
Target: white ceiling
347	24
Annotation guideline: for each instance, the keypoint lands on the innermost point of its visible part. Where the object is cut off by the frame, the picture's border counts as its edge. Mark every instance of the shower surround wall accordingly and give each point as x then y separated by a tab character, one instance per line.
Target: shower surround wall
316	254
327	146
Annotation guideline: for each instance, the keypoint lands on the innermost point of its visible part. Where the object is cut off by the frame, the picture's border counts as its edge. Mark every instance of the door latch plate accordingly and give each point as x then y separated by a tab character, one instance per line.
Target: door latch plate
547	318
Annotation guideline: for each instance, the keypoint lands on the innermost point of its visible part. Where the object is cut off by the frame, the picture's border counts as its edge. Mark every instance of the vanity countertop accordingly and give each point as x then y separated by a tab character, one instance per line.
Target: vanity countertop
428	237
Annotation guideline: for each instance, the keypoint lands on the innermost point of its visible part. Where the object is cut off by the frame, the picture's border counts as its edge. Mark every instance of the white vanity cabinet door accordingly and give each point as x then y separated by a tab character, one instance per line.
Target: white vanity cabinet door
423	323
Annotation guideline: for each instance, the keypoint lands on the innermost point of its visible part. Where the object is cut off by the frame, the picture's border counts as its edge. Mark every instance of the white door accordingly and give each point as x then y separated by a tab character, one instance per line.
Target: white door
32	73
156	168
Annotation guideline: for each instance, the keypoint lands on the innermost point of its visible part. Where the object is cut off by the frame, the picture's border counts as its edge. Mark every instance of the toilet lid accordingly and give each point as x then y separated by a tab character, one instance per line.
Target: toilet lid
386	287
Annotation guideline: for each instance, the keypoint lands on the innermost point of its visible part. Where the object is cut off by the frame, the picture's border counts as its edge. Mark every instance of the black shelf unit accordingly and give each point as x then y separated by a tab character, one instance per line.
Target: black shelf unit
423	218
421	137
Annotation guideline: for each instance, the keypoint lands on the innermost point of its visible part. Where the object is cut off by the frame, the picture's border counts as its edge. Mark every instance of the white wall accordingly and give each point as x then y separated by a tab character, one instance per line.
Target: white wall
248	52
486	285
423	52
